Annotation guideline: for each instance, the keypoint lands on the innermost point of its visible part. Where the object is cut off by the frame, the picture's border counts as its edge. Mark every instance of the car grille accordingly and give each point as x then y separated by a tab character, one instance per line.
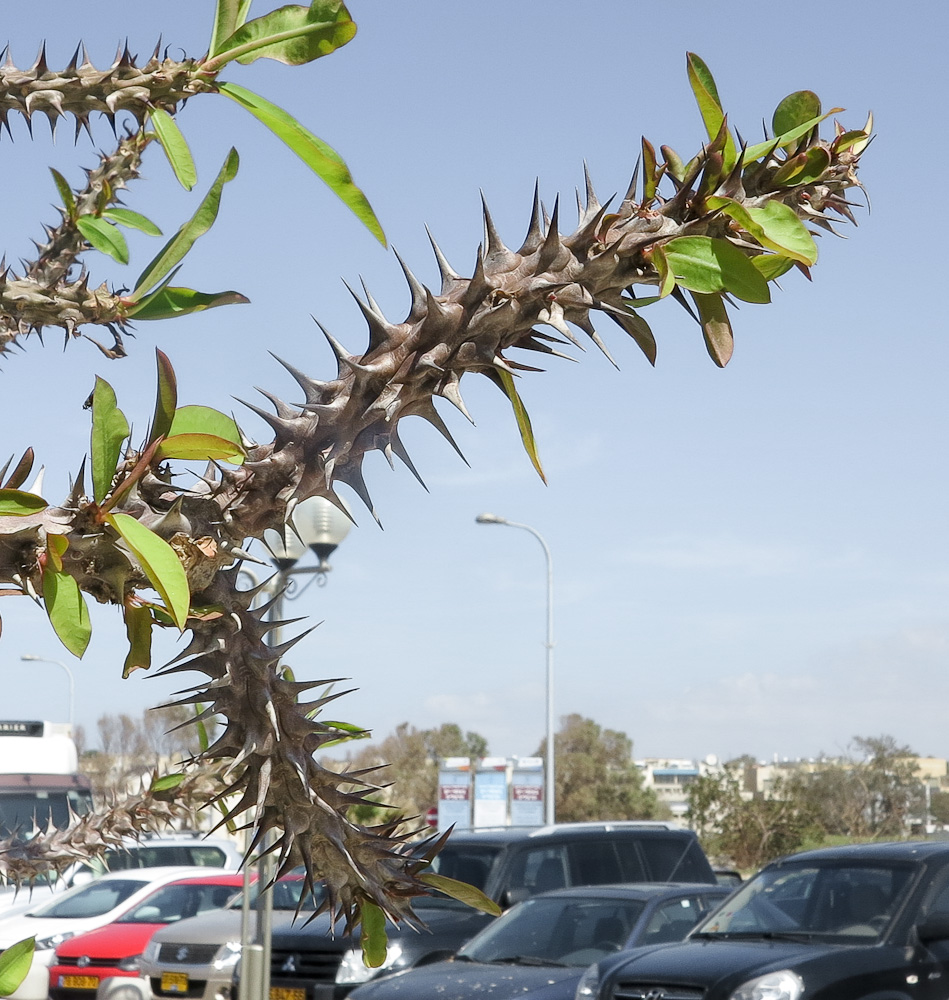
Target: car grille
314	966
72	962
187	954
655	991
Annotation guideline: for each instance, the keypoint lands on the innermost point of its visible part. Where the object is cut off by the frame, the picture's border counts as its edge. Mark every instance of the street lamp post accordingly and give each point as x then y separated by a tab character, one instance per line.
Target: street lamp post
31	658
549	784
319	526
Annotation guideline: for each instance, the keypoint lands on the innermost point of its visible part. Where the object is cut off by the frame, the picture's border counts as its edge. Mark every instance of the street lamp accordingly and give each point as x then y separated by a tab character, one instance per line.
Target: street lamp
549	784
31	658
319	526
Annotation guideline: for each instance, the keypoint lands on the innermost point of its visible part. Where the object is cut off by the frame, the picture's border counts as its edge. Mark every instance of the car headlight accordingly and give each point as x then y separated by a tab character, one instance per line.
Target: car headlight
589	983
52	941
150	954
227	956
352	969
783	985
129	964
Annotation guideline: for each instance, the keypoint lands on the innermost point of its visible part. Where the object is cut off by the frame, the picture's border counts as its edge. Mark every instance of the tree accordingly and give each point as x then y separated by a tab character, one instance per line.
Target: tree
131	749
874	791
726	223
405	764
595	775
748	828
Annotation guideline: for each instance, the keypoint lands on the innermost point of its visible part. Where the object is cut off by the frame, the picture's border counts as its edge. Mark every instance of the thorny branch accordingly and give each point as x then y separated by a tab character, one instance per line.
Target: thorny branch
741	212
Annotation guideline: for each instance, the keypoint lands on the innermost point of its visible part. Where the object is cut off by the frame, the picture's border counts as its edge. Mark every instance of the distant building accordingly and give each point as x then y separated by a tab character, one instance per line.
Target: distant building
670	777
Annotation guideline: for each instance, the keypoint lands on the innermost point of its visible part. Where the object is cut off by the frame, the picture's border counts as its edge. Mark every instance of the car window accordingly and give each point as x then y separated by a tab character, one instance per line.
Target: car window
672	920
469	863
560	930
540	869
156	856
289	893
177	902
674	859
827	901
594	862
92	900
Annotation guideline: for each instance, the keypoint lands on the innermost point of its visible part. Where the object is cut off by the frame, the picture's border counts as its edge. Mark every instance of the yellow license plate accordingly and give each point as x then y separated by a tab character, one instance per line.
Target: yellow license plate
286	993
80	982
174	982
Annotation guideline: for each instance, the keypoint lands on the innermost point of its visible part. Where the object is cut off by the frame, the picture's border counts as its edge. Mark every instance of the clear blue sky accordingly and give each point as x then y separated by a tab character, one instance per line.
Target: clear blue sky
750	560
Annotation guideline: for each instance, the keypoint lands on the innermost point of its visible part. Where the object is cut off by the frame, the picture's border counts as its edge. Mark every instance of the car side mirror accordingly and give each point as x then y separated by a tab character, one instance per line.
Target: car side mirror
511	896
934	928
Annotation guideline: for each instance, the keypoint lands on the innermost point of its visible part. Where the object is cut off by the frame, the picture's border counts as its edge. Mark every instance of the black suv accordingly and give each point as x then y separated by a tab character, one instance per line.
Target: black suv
509	864
865	922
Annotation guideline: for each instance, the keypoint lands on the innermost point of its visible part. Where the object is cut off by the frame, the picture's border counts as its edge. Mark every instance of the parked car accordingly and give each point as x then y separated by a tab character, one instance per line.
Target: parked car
846	923
187	848
195	958
80	909
509	864
83	961
542	946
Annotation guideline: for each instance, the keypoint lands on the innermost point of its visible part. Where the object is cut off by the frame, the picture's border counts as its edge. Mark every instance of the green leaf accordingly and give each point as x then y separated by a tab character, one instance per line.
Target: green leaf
65	192
201	447
166	783
293	35
710	106
205	420
772	265
228	17
159	562
138	628
794	110
17	503
372	937
109	430
166	397
15	964
67	609
170	301
104	237
179	245
175	147
204	740
667	279
805	168
767	147
462	892
674	163
523	421
322	159
774	225
707	265
650	174
716	327
131	220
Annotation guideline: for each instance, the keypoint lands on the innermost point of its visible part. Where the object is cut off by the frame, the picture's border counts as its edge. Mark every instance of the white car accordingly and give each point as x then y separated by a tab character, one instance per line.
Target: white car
149	851
80	909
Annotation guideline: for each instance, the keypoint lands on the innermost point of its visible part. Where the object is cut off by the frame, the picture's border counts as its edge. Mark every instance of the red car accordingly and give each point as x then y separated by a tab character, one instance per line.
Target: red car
84	960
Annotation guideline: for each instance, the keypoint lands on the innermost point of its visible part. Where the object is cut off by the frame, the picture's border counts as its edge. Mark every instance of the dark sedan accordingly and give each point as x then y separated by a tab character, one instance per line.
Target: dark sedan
864	922
541	947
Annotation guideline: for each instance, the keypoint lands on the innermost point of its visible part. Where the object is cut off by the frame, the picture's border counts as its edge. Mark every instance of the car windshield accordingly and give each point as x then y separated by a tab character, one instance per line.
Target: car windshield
178	901
289	893
91	900
851	902
556	930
